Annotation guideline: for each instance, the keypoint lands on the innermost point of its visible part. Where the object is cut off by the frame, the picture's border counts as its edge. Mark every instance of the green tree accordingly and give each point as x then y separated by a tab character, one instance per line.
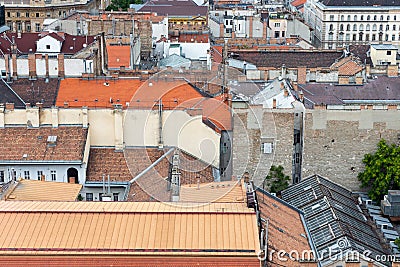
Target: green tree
382	170
121	4
276	180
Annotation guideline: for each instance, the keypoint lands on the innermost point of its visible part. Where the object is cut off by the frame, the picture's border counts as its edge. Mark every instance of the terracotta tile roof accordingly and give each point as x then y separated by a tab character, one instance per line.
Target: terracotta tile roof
193	169
298	3
127	228
123	261
348	66
285	228
34	91
18	141
32	190
120	91
216	53
191	38
217	192
292	59
118	55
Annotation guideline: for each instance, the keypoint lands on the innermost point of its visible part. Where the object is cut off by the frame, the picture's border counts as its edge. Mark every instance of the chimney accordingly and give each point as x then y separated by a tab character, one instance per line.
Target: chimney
283	71
39	104
274	103
10	106
285	92
19	35
301	96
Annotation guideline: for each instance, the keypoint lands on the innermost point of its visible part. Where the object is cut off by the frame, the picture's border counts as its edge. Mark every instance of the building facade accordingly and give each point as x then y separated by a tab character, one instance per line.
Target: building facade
337	24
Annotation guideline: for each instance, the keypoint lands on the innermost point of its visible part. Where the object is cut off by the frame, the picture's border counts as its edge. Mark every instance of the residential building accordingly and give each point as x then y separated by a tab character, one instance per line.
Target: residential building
336	23
44	153
340	231
131	231
48	55
30	16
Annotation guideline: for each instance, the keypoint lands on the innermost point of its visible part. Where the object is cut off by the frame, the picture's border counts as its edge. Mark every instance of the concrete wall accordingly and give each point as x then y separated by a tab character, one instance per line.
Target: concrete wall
335	141
296	27
252	128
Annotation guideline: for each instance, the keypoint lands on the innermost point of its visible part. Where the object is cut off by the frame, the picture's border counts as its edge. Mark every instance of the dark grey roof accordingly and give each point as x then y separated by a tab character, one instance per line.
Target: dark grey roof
360	51
335	222
361	2
8	96
174	8
382	89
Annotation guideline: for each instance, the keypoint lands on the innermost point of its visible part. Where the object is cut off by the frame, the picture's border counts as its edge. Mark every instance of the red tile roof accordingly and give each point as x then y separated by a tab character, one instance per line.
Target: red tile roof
191	38
118	55
17	141
297	3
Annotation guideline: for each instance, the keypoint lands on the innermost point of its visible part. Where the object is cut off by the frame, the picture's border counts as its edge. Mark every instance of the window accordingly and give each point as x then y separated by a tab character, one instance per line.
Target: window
367	27
277	24
394	27
342	18
277	34
354	27
361	27
89	196
8	14
367	37
354	37
362	17
40	175
37	27
297	157
386	37
394	18
226	22
348	18
28	27
231	22
387	27
332	18
373	37
47	46
27	175
355	17
1	176
37	15
381	17
388	18
388	53
115	196
393	37
48	14
18	14
331	27
53	175
375	17
19	26
381	27
267	148
341	27
348	27
368	17
360	37
100	196
347	36
374	27
341	36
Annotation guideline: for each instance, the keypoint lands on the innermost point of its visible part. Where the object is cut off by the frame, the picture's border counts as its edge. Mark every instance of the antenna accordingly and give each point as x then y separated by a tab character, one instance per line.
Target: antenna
104	184
109	189
225	70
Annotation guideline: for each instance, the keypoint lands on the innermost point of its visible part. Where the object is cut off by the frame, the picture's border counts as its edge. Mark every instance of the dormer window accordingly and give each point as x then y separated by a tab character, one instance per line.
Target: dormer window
48	47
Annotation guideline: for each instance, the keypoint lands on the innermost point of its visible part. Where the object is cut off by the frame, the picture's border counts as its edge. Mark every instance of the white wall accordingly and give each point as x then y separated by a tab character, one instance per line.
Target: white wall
22	67
159	29
74	67
53	67
195	51
41	67
43	43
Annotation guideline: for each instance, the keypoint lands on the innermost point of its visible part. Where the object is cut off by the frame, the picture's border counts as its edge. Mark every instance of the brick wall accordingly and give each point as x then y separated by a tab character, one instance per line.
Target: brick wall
32	65
392	71
335	142
301	75
61	69
343	80
248	137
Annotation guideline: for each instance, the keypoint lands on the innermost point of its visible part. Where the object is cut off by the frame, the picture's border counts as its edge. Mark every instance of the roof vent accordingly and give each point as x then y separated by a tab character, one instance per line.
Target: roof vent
52	140
24	156
106	84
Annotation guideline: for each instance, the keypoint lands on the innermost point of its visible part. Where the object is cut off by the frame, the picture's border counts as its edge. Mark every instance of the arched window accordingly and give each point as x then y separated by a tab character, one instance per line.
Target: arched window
375	17
368	17
381	17
374	27
342	17
394	27
341	27
348	18
348	27
381	27
387	27
331	27
361	27
367	27
394	18
388	18
362	17
354	27
355	17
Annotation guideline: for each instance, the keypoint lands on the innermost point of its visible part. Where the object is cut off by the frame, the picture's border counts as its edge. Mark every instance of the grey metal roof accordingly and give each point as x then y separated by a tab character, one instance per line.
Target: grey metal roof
383	46
332	215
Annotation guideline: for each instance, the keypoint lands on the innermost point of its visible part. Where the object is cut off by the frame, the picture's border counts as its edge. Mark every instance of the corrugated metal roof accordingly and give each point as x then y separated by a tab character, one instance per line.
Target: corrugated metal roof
383	46
229	191
77	228
44	191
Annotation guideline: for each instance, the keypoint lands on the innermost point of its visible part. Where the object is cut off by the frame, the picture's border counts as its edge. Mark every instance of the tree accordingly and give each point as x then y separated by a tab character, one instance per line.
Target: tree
382	170
276	180
121	4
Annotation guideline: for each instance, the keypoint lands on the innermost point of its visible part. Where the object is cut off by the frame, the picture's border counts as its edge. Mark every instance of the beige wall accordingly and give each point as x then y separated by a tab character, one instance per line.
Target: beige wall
113	127
380	55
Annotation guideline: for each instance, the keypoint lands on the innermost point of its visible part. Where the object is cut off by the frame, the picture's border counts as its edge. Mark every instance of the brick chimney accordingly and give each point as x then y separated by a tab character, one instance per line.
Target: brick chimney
274	103
10	106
